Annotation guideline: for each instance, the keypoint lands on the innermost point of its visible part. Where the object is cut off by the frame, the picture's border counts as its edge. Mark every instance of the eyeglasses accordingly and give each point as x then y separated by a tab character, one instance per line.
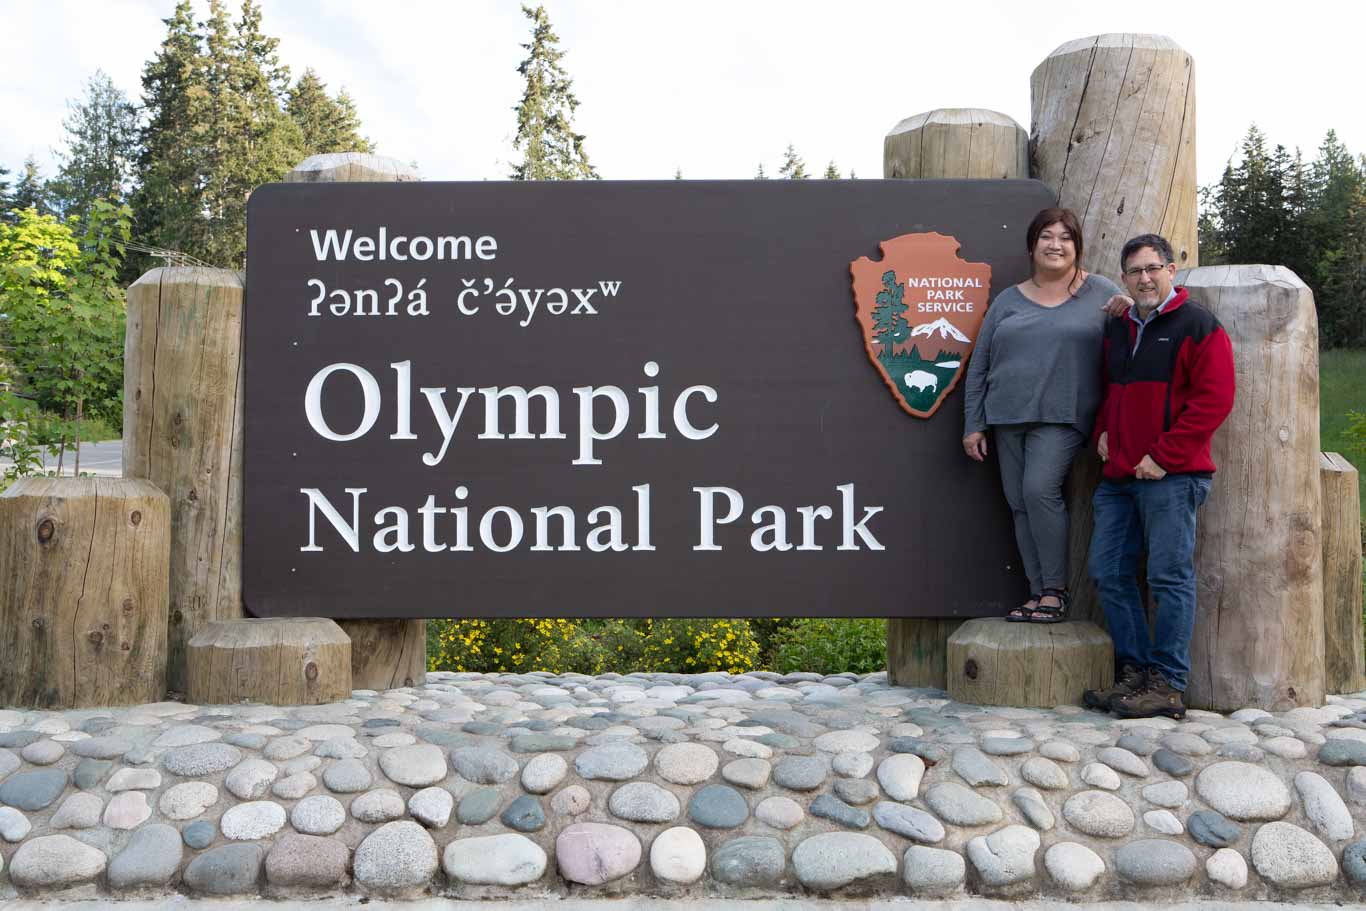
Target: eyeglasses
1149	271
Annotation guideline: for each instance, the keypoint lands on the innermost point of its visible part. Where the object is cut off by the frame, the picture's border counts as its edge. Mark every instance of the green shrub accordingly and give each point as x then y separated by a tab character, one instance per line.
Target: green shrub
832	645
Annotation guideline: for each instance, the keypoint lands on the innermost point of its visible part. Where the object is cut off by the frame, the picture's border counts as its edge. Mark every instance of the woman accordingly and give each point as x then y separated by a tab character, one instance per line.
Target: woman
1034	379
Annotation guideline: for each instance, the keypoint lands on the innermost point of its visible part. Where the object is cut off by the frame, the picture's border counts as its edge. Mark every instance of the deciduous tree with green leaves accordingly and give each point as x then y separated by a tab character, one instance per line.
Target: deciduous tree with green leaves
550	148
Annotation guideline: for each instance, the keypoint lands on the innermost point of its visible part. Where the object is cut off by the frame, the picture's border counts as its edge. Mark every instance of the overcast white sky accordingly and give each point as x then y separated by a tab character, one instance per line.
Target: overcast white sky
710	86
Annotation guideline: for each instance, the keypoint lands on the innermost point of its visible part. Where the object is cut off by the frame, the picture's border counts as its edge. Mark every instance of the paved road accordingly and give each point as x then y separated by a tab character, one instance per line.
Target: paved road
101	459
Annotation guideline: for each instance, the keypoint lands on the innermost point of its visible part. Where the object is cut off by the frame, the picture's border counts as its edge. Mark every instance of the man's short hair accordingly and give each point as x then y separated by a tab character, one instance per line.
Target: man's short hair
1157	242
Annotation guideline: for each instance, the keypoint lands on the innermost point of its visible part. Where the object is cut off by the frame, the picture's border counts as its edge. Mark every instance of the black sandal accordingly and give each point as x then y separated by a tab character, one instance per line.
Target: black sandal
1021	614
1051	613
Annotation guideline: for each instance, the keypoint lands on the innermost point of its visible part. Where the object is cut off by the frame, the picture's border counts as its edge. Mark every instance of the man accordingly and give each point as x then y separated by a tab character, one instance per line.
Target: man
1168	375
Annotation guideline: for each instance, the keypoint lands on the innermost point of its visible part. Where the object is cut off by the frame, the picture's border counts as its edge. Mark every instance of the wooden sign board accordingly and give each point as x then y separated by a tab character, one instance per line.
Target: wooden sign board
599	398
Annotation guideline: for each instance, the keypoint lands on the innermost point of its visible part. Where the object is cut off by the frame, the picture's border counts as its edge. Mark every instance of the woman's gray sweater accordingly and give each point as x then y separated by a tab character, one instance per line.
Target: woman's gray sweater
1037	364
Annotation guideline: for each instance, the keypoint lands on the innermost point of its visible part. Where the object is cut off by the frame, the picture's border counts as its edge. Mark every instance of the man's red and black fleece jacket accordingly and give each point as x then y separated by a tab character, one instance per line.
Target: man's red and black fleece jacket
1167	398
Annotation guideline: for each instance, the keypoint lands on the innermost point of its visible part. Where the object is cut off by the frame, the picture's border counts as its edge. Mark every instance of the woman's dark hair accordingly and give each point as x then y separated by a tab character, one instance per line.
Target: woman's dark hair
1052	216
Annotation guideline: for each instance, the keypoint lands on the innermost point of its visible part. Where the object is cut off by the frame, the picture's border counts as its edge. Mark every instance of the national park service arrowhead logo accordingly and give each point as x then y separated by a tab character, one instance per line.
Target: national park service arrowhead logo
919	309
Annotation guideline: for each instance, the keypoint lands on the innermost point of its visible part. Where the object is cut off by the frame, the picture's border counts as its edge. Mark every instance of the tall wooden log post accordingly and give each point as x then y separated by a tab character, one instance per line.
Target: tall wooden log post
944	143
384	653
1113	134
83	592
182	430
1345	663
1259	639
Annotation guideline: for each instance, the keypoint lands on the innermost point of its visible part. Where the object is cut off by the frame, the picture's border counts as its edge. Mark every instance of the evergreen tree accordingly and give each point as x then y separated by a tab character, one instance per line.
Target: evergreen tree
1337	229
4	192
760	175
889	321
551	150
678	173
166	205
101	148
326	124
31	191
793	168
832	172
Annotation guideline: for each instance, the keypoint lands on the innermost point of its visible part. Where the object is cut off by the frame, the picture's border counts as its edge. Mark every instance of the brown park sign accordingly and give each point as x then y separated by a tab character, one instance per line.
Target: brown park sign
597	398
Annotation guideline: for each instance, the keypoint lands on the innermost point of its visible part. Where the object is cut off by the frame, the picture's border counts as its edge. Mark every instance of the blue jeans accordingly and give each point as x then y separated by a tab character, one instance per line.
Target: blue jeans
1159	516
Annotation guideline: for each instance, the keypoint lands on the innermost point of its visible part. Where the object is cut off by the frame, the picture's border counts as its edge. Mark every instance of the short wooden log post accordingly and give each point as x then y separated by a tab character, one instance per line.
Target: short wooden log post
1113	133
182	430
1034	665
1259	629
385	653
83	592
944	143
277	661
1344	656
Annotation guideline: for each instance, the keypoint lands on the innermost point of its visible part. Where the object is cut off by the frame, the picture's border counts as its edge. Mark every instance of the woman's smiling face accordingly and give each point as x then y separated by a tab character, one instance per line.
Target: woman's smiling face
1054	251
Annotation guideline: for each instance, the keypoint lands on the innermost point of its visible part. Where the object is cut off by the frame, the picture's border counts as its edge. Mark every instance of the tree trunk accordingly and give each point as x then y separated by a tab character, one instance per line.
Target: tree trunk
992	662
1345	660
944	143
384	653
83	592
1113	133
276	661
1259	629
182	430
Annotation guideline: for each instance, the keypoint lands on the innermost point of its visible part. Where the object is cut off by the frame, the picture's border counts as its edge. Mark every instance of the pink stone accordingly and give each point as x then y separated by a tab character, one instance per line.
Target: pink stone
127	810
594	853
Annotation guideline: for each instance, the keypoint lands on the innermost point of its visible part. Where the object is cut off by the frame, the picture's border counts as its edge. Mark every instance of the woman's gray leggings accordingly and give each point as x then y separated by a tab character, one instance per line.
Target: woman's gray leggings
1035	459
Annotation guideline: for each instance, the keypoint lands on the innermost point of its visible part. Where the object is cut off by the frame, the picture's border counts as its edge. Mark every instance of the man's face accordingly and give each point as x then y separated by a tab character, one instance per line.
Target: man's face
1148	277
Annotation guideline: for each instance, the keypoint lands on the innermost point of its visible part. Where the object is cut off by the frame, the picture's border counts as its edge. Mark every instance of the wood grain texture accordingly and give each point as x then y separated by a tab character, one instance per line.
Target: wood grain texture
276	661
1259	623
956	143
1113	134
1037	665
347	166
182	430
1344	655
385	653
83	592
918	651
944	143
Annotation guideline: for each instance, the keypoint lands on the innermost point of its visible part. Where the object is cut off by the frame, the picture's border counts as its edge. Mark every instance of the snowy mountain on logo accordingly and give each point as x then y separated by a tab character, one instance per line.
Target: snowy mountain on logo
943	327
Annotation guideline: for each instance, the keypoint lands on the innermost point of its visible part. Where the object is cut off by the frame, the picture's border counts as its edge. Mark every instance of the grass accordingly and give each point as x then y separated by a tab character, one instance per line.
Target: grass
1342	388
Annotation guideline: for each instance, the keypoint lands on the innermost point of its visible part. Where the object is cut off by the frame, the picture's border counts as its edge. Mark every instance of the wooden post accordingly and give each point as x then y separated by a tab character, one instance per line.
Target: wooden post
992	662
182	430
277	661
944	143
1345	660
1259	629
83	592
384	653
1113	133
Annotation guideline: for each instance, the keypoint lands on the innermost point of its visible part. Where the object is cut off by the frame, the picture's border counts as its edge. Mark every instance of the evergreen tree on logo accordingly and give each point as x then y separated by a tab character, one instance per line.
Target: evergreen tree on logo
889	326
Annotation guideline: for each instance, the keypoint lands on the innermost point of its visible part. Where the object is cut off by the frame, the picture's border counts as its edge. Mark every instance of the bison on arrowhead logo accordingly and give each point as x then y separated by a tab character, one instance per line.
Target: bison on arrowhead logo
919	309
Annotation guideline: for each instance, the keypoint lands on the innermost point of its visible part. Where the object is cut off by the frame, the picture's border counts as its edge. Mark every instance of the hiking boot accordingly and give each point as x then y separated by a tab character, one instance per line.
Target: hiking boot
1128	681
1158	697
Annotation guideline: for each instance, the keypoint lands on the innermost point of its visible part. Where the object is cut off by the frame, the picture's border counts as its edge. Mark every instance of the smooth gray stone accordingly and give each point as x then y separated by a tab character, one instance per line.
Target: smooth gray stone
347	776
1034	808
800	773
245	741
524	814
1339	752
754	861
778	741
959	805
908	822
1212	829
483	765
1155	862
200	759
226	870
199	834
17	740
541	725
718	806
379	723
786	721
588	723
108	747
974	767
33	789
828	806
478	806
442	737
1173	764
1242	752
151	858
932	753
614	761
1354	863
542	743
94	726
1140	746
90	772
1006	746
856	791
643	801
482	728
